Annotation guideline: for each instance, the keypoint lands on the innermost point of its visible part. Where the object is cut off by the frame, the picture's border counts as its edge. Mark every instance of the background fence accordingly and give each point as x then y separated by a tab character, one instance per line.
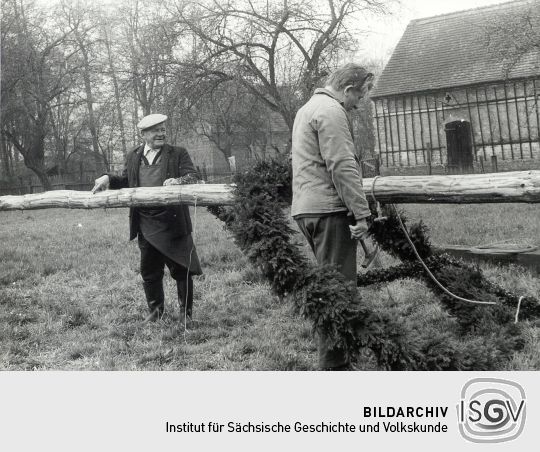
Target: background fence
370	168
30	185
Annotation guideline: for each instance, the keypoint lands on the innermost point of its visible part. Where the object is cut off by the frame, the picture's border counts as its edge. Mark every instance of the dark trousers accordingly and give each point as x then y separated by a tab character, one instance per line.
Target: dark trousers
152	270
330	239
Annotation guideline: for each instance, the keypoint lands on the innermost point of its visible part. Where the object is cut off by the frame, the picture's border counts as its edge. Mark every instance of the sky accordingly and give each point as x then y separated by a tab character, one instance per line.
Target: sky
386	32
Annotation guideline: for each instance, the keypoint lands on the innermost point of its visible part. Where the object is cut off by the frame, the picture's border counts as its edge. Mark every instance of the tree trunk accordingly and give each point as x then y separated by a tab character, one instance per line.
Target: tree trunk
135	116
41	173
116	96
193	194
90	103
34	155
5	155
34	159
519	186
43	178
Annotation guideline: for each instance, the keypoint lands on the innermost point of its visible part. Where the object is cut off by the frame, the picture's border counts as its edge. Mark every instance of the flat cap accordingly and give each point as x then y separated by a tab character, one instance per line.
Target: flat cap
151	120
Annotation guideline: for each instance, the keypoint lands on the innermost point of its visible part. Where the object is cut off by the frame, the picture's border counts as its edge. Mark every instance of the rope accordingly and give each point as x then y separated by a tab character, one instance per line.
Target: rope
428	271
373	189
518	307
189	266
377	203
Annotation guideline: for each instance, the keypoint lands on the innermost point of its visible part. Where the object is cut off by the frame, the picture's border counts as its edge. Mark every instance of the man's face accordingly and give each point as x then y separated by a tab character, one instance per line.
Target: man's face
352	97
155	136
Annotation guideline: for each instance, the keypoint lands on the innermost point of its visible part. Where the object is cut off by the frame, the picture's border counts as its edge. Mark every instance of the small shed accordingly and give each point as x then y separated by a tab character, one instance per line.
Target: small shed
447	102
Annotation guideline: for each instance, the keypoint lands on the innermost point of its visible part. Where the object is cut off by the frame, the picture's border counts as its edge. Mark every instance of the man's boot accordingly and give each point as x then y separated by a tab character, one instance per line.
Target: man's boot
185	298
155	299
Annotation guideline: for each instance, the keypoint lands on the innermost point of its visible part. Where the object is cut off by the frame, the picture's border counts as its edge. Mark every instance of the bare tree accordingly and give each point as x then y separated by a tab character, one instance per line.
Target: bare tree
279	52
150	37
76	79
80	21
230	117
65	130
106	31
36	70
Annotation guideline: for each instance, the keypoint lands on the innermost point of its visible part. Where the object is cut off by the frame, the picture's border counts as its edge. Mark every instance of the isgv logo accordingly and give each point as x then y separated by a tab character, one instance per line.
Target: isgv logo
491	410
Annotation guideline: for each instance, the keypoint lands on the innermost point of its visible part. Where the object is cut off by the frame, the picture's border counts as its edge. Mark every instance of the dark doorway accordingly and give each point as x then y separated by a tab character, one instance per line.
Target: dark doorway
459	147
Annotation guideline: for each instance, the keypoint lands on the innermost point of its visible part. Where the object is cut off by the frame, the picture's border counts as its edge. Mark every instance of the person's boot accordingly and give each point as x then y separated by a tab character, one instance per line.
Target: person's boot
155	299
184	287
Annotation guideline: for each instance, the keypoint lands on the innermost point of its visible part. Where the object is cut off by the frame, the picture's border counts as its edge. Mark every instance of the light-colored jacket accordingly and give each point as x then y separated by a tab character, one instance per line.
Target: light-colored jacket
326	173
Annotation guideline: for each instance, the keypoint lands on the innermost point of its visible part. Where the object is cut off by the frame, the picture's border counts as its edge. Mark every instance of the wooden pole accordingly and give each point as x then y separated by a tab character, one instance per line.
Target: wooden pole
407	148
529	134
391	134
491	139
518	122
494	163
512	187
422	141
518	186
508	122
535	95
414	132
501	139
193	194
398	132
377	127
385	136
438	127
431	146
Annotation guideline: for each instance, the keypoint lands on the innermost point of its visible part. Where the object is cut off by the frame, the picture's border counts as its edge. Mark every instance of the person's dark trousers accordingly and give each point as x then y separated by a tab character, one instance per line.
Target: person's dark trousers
184	286
330	239
152	270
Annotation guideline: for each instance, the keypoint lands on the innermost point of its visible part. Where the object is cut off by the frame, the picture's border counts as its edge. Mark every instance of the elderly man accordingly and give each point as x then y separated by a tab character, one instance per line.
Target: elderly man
328	203
164	233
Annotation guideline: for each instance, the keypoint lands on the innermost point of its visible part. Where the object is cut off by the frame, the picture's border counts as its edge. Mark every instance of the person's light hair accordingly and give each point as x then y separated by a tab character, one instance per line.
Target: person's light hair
350	74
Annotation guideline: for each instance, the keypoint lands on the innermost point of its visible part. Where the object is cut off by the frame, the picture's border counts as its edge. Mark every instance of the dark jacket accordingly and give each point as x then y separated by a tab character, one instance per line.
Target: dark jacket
175	162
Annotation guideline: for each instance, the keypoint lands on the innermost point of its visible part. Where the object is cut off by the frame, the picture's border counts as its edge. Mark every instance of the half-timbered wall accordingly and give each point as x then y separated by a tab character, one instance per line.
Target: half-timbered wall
504	119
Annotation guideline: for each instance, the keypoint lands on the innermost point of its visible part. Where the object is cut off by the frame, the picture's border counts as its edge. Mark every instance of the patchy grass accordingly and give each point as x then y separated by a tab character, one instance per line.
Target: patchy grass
479	224
71	296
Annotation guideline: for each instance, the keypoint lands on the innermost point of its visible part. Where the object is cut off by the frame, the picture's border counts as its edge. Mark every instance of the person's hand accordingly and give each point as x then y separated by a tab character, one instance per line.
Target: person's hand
171	181
359	230
101	183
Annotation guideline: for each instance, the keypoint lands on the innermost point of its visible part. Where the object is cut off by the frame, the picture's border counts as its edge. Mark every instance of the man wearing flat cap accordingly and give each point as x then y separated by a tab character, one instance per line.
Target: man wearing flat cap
164	233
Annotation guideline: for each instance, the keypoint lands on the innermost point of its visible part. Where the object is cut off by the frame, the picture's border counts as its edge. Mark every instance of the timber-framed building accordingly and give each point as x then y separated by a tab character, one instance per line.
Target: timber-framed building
448	103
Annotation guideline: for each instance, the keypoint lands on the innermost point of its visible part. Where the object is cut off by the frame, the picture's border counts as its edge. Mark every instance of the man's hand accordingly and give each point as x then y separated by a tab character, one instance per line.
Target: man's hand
101	183
172	181
359	230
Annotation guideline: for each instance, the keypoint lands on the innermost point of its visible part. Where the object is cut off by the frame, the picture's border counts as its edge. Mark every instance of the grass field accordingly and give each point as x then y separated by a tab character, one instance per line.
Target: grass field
71	296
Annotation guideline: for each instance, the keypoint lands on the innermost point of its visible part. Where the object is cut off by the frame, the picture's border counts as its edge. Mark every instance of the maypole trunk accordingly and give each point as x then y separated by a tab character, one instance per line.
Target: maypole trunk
520	186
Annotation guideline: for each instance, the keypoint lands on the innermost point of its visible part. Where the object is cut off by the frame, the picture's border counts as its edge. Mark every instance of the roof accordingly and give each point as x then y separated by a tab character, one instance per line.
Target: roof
451	50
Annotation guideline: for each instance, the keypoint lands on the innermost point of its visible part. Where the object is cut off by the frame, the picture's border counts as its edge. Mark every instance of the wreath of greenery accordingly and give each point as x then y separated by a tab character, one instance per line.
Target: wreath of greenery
473	337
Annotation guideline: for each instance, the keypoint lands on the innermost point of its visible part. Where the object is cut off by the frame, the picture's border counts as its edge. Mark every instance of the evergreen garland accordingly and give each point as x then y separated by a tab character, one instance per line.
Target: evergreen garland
460	278
478	337
389	235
